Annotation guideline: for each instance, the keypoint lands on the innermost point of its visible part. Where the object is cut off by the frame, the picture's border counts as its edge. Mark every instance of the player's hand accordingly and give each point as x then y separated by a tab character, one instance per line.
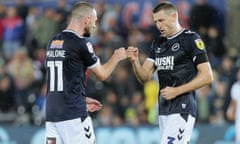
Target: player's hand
121	53
132	54
93	104
169	93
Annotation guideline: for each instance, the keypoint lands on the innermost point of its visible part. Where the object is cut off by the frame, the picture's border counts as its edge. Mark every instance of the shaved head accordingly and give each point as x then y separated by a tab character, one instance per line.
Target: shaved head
167	7
83	18
82	9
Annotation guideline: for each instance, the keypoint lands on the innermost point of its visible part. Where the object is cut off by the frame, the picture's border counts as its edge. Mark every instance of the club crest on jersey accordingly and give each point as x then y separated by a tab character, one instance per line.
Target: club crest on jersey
175	47
90	47
200	44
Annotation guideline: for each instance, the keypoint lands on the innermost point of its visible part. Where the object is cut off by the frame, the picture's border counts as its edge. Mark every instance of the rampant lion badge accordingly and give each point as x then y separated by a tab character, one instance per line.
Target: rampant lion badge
200	44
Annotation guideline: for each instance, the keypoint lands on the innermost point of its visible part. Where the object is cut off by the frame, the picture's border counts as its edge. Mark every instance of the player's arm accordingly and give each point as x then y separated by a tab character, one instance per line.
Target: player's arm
204	77
104	71
231	111
142	72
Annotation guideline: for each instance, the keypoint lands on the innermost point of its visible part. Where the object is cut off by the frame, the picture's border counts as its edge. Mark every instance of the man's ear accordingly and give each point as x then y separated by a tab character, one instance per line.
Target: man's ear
88	20
174	15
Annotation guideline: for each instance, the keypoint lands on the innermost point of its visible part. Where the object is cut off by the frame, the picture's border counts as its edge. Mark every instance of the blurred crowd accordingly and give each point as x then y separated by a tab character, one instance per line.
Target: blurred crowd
24	33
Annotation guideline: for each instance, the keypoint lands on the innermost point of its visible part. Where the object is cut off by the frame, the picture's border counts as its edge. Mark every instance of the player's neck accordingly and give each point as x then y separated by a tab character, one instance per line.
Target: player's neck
75	29
177	30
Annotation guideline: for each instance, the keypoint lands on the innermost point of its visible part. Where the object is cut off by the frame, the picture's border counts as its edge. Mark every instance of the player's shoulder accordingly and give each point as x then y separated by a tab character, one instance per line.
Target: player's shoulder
190	33
190	36
72	39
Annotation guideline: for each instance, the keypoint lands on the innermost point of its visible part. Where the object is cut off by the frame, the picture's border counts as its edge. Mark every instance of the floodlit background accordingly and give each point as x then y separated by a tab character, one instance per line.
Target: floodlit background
129	114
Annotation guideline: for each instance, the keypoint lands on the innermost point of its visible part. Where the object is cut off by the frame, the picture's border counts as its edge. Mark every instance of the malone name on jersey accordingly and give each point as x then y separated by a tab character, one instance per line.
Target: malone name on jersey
165	63
56	53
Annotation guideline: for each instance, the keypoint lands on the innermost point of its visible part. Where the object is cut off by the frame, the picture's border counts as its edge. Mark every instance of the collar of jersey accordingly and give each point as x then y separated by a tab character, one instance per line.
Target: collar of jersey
72	31
177	34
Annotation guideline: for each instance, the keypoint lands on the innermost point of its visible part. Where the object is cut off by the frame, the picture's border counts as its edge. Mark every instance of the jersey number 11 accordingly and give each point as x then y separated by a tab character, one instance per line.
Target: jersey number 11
56	68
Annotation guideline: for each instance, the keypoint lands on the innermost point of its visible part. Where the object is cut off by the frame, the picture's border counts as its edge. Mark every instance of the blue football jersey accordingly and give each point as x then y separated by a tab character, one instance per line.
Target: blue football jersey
174	60
68	56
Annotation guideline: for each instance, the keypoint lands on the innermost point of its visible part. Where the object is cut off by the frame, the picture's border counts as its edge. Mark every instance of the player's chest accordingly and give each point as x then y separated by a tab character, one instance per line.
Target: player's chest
169	54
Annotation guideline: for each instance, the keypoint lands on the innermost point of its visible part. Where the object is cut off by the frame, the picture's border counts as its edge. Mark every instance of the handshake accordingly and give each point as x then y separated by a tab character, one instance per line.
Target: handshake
131	53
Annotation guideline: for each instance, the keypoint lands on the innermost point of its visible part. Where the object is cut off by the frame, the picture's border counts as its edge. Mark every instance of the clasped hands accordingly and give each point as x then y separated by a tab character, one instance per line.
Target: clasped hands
131	53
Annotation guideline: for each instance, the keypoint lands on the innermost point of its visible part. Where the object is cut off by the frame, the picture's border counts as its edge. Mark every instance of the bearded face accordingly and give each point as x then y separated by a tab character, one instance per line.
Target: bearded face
90	25
87	32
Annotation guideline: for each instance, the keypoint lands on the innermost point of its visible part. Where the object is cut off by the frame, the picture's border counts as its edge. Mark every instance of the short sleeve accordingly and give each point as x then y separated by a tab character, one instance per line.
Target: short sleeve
151	56
89	56
197	45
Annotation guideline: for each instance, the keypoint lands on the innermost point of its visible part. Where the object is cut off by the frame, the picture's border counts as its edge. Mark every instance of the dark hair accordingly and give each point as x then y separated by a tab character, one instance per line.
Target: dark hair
165	6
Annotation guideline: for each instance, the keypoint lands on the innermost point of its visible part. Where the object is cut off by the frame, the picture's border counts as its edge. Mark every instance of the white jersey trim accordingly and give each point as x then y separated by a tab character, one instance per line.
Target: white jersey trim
150	59
67	30
94	65
177	34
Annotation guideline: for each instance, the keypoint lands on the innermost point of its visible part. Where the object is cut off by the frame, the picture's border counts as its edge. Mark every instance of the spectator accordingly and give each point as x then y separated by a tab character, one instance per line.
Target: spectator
22	70
203	102
216	46
112	99
226	70
13	33
39	112
46	27
22	9
121	82
6	90
217	102
105	116
31	27
62	11
201	17
2	15
183	8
